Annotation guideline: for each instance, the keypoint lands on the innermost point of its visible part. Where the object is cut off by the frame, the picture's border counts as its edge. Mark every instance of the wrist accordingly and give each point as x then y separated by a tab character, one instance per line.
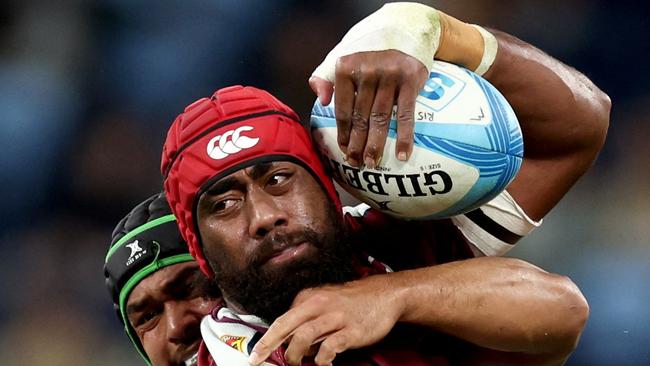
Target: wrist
410	28
412	292
393	288
466	44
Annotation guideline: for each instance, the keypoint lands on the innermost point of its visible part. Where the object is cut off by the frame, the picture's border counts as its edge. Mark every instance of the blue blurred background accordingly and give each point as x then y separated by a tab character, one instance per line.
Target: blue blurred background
88	89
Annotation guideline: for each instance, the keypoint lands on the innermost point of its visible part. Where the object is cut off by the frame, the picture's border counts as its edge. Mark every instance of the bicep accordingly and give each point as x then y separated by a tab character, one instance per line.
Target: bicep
563	117
541	183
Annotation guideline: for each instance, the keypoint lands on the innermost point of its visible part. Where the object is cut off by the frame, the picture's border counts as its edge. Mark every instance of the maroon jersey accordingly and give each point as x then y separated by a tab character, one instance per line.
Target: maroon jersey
405	244
399	245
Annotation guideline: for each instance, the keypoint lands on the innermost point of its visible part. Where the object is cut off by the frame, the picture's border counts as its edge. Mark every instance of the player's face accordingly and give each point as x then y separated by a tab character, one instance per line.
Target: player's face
265	200
270	228
166	308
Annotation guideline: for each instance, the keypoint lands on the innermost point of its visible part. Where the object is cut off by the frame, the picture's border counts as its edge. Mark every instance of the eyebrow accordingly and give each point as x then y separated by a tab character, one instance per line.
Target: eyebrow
222	186
166	285
226	184
258	170
138	306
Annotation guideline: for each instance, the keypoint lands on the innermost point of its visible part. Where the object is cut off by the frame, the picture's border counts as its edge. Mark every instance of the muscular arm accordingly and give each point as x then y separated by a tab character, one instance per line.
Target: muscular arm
499	304
502	304
563	116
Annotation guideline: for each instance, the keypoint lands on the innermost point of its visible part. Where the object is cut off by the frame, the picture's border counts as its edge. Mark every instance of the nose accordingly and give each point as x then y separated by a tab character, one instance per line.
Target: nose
264	212
182	322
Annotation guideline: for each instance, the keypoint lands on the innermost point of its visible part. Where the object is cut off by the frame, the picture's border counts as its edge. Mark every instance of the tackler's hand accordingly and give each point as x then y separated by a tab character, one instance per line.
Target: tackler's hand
328	320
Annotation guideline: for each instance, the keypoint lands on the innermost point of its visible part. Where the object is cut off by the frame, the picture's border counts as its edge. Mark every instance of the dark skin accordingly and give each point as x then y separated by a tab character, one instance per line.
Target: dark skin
166	308
363	118
238	212
563	132
508	309
508	305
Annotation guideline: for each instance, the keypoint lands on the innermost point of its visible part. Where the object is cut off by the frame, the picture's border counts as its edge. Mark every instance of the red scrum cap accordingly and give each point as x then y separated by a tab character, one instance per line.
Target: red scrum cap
214	137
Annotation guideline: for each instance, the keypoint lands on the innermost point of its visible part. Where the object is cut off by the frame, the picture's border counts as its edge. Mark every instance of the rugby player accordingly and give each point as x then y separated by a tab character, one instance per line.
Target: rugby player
158	291
265	223
271	227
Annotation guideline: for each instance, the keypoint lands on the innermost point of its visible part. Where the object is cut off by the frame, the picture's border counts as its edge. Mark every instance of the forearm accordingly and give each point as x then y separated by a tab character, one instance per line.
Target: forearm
498	303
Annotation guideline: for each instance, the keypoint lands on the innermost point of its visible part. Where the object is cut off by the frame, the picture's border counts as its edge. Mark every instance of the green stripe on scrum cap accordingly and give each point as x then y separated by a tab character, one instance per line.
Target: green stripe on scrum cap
138	230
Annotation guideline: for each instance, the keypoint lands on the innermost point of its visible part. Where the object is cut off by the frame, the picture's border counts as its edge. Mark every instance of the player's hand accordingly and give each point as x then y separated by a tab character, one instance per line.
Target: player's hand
335	319
383	58
368	84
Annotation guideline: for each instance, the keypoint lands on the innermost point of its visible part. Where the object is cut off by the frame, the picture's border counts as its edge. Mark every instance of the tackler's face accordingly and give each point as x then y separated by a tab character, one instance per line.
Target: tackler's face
166	309
259	216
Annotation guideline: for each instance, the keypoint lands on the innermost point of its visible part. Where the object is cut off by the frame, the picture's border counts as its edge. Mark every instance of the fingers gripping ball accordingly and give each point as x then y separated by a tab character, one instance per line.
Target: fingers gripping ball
467	148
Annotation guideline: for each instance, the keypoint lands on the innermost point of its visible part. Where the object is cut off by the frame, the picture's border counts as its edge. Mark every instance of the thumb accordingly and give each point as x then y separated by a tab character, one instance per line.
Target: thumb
323	89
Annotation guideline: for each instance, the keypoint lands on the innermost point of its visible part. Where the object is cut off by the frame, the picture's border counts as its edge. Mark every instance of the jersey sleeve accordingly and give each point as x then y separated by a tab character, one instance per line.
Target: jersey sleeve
497	226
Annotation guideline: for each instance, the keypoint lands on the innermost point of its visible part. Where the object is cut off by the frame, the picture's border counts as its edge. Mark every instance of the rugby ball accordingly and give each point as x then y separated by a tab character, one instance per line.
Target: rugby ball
467	148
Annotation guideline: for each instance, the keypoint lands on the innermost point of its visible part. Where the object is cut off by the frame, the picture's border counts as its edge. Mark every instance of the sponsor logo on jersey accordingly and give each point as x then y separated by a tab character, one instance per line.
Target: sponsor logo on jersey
136	252
236	342
231	142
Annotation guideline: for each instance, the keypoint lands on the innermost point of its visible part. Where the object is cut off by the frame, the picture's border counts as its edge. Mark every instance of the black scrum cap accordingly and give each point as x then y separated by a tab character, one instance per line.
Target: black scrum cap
144	241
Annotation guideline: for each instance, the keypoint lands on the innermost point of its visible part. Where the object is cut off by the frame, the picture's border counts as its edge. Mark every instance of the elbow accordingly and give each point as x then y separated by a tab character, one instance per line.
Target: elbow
591	112
577	310
562	310
601	117
571	317
586	112
596	112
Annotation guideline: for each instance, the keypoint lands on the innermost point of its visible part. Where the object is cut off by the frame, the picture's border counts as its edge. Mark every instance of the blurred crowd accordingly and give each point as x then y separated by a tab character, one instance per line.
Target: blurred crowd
88	89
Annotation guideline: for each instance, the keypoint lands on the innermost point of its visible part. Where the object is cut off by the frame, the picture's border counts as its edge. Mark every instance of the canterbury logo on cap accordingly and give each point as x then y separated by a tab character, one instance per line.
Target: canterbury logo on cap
231	142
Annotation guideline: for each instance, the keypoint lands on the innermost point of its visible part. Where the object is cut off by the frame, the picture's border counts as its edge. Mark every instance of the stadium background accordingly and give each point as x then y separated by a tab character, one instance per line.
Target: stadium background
88	88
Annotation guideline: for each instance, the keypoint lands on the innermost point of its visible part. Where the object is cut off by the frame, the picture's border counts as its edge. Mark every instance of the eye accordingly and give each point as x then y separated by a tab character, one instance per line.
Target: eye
277	179
146	320
223	205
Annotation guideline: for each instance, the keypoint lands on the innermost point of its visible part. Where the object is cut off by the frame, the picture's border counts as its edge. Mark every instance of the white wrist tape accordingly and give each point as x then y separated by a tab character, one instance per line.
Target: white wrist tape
411	28
495	227
490	47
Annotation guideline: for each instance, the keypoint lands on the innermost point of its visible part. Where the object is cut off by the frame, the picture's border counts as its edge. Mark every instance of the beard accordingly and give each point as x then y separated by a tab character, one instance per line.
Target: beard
269	292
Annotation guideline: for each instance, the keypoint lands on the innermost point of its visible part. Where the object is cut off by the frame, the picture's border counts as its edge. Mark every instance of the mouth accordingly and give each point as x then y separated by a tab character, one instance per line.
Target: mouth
288	253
